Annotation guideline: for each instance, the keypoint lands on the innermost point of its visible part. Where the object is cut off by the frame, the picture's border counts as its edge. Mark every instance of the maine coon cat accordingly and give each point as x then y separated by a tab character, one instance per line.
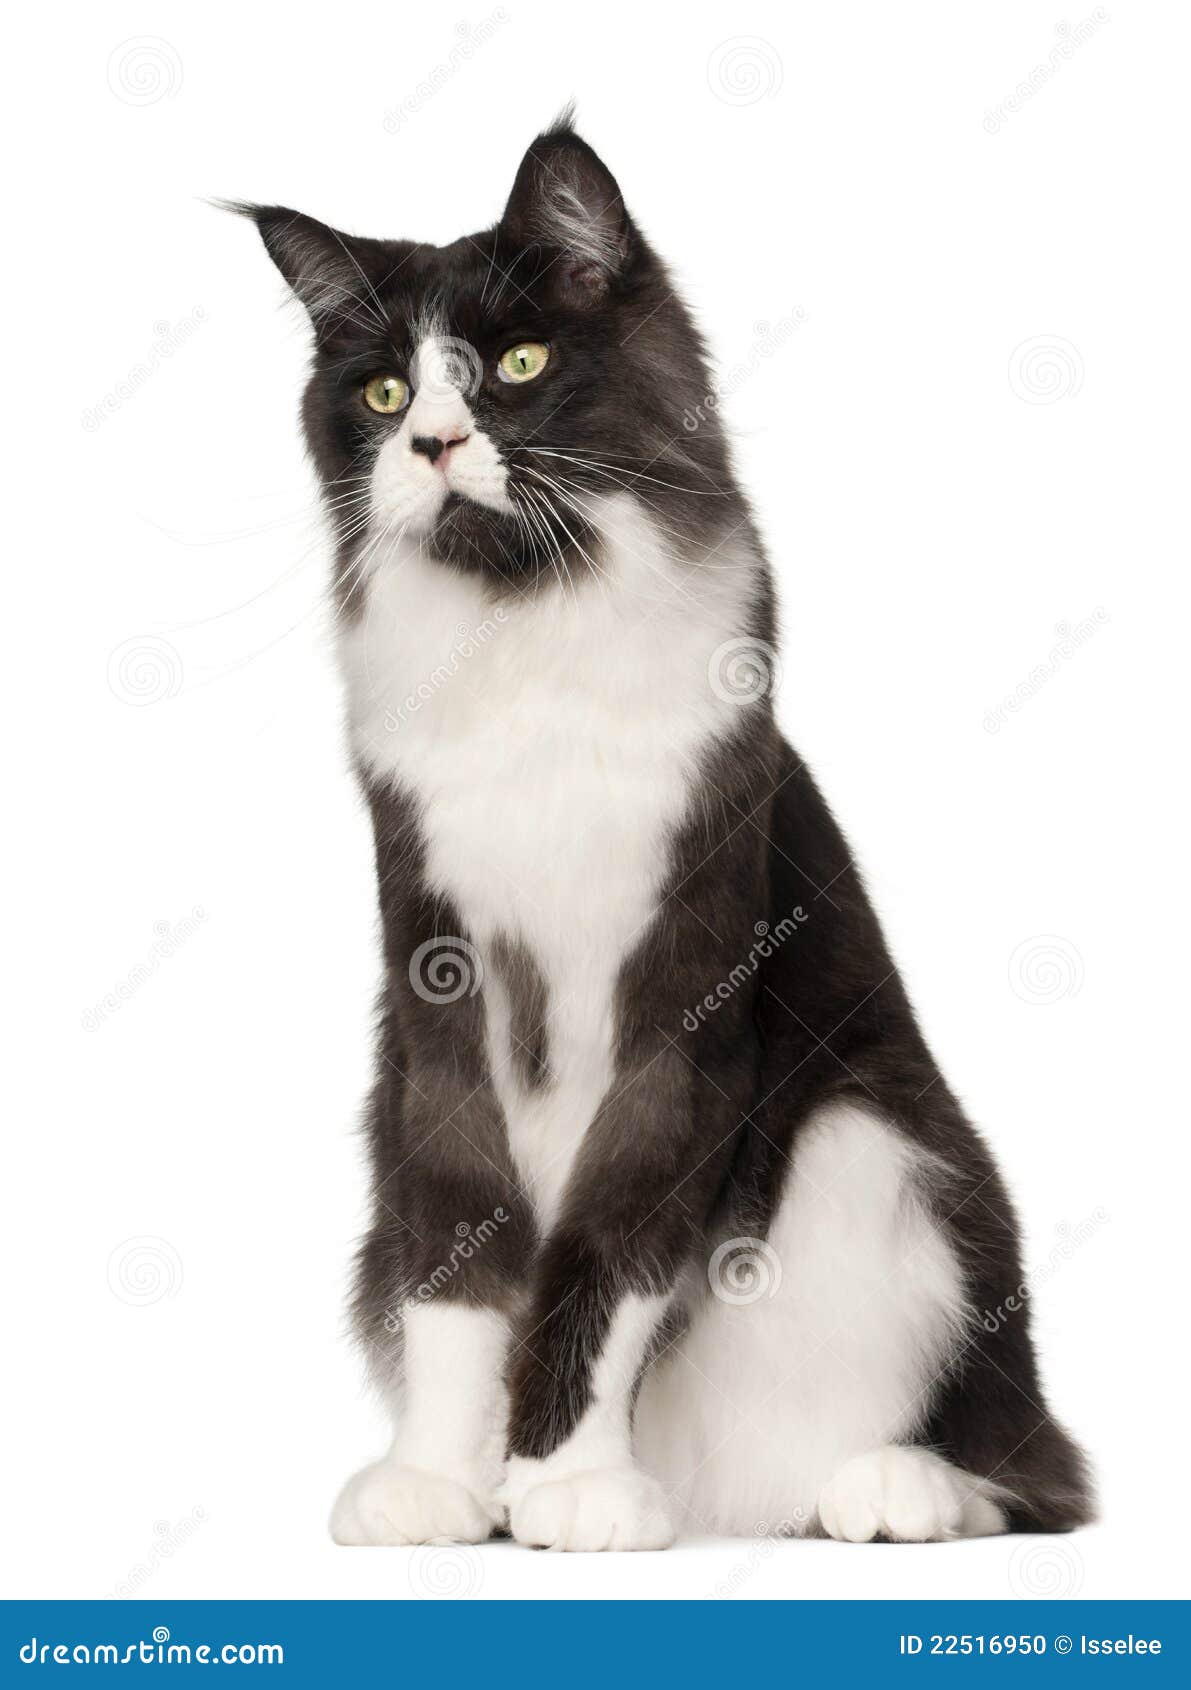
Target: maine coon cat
676	1220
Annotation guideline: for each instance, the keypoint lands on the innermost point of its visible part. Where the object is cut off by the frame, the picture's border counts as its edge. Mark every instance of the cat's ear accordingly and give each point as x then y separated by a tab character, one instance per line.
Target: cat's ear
566	200
327	270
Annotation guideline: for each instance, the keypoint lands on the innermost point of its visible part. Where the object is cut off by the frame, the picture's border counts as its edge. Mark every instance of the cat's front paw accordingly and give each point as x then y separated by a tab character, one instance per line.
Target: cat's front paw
907	1496
390	1504
607	1508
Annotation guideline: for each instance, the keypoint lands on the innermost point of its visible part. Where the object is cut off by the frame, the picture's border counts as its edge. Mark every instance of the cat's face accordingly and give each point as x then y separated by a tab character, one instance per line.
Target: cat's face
482	398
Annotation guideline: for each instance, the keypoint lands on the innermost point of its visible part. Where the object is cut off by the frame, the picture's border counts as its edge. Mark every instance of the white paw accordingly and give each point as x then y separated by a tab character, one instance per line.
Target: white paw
910	1495
388	1504
607	1508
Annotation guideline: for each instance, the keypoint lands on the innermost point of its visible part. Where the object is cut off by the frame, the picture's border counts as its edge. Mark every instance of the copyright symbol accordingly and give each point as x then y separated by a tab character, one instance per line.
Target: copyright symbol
1063	1645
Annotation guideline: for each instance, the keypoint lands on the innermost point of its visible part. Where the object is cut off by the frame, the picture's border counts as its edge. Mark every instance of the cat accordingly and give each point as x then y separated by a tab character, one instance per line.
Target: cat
677	1224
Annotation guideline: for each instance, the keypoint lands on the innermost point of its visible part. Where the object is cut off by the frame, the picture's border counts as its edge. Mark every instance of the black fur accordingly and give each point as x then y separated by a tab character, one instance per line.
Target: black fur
498	286
693	1141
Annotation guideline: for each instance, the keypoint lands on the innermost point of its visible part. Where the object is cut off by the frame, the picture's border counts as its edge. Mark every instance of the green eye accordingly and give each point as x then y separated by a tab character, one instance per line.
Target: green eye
386	394
524	362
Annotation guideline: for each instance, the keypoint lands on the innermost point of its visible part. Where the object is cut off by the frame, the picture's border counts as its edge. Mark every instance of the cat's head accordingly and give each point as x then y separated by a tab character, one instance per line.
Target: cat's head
484	398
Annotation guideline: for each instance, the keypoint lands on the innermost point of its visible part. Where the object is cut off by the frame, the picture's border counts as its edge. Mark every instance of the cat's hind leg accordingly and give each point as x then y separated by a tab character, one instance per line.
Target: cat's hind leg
906	1494
829	1385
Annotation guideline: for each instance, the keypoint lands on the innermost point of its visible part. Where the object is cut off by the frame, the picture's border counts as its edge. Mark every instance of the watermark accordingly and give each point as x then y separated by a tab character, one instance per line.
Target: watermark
770	338
445	969
454	1571
469	1241
1045	368
1071	1239
143	1271
468	641
145	670
743	70
471	39
445	366
167	1540
1045	1569
155	1650
1045	969
171	936
743	670
768	940
143	70
1071	39
1072	638
767	1540
743	1271
168	338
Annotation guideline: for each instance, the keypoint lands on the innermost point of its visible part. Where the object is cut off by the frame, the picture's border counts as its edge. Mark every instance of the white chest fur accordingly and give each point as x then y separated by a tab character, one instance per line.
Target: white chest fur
551	744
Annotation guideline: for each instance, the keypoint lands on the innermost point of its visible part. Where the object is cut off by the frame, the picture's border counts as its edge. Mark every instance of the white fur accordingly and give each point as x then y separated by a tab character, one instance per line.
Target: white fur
388	1505
610	1508
549	768
564	217
588	1493
439	1479
549	771
909	1495
763	1404
407	490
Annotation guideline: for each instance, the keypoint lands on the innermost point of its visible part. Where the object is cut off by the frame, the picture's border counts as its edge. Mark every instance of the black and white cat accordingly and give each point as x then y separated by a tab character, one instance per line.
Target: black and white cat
676	1220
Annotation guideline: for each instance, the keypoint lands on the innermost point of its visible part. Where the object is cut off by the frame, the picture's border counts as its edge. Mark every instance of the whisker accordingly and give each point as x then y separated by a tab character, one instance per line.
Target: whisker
634	475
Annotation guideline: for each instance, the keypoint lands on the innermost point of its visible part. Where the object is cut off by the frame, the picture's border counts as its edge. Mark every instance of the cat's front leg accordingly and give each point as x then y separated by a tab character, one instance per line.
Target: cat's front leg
603	1283
583	1490
439	1278
440	1477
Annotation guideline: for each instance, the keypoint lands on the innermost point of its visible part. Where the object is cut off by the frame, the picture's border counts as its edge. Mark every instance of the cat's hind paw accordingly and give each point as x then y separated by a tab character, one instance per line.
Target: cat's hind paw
908	1496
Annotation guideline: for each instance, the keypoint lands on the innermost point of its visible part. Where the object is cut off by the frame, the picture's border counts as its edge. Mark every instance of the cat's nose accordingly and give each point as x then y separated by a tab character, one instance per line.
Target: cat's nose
433	446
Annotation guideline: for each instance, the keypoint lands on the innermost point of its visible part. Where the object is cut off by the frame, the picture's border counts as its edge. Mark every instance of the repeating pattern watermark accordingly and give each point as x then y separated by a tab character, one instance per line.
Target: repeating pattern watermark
471	38
1045	969
1070	1240
767	1537
167	1540
171	936
1071	39
168	338
743	70
143	70
445	969
144	1270
470	1240
1071	639
468	641
769	339
1045	368
743	1271
454	1571
1045	1569
446	365
743	670
145	670
768	940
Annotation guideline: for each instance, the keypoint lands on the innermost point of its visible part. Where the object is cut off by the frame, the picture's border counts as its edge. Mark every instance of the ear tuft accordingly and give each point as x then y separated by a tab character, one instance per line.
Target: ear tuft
564	123
565	197
325	268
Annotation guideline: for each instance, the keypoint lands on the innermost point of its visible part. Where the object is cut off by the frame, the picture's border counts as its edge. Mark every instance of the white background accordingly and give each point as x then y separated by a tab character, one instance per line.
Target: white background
184	1409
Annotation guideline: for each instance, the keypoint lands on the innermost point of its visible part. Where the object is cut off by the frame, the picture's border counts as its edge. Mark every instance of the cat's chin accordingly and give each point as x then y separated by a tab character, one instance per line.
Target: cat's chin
476	537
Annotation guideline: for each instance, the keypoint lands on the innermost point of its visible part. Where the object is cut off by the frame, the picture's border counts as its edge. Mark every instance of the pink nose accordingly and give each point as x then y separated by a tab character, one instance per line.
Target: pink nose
433	446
